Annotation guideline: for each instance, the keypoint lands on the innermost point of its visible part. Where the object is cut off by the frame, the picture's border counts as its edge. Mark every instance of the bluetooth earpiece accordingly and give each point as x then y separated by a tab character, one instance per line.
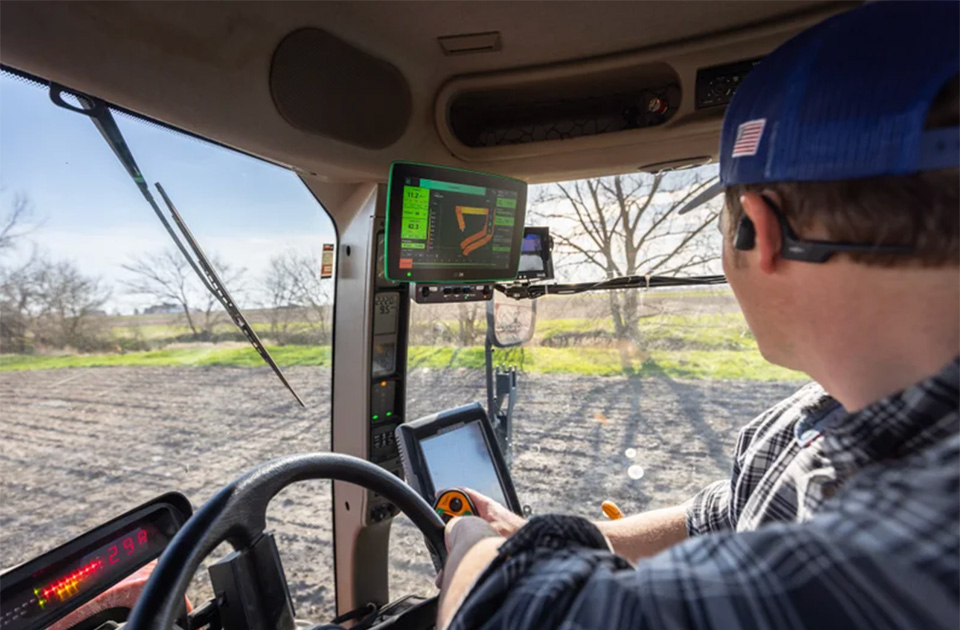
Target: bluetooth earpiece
746	234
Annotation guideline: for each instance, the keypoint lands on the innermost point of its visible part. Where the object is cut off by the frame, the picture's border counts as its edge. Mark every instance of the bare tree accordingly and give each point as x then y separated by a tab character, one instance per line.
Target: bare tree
18	294
294	292
52	303
627	225
68	305
166	275
16	223
468	324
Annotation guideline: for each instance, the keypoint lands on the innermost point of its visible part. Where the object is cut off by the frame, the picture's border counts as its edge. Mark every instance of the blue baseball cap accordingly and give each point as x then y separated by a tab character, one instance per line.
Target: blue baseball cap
846	99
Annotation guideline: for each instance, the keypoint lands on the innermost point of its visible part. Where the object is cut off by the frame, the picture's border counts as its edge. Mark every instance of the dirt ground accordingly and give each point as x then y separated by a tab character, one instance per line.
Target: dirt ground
78	447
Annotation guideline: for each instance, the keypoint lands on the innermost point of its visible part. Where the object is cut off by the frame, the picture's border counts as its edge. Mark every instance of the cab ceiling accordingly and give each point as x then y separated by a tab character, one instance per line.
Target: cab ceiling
205	67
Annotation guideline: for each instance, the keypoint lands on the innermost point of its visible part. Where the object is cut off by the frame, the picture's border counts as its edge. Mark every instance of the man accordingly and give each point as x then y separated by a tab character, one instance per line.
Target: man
839	159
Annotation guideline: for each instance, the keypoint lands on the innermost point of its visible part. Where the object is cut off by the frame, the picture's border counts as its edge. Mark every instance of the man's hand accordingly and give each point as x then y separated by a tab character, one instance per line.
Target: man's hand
503	521
471	545
633	537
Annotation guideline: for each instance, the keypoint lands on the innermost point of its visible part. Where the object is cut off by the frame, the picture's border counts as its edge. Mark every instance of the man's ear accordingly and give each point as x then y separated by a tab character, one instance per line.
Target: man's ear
767	228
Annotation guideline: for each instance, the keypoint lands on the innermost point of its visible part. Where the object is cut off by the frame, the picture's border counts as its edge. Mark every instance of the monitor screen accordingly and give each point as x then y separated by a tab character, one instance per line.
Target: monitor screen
535	256
449	225
461	458
531	257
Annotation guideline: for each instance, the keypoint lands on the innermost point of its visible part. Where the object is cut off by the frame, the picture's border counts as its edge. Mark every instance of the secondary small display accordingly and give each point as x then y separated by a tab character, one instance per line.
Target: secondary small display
450	225
456	448
461	459
536	261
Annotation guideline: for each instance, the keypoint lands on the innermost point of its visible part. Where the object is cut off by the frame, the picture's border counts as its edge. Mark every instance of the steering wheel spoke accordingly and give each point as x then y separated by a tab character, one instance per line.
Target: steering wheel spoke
237	514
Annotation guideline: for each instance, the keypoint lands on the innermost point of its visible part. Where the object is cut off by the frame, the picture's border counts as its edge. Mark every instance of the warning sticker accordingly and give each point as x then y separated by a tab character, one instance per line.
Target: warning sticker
326	261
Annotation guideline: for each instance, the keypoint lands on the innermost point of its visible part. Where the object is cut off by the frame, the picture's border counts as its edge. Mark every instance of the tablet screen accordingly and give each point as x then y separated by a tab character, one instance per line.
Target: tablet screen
460	458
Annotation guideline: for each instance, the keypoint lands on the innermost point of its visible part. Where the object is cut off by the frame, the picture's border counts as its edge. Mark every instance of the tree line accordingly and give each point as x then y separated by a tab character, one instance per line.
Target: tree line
46	303
608	227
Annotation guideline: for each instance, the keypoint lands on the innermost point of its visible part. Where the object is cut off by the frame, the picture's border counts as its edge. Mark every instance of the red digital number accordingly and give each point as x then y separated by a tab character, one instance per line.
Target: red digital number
113	554
128	545
142	537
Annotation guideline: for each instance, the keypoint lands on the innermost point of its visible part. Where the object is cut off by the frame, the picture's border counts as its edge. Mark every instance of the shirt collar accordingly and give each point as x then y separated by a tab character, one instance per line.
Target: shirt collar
895	426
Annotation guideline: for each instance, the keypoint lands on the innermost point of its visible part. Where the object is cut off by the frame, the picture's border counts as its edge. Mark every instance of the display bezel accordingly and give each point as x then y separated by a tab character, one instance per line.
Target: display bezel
411	434
451	275
173	504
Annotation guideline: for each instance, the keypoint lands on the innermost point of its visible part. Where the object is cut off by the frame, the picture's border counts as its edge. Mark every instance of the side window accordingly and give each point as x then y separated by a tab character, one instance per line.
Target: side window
635	396
121	378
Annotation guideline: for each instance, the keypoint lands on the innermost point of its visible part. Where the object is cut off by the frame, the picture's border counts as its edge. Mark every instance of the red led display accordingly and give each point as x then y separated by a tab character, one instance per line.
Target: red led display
127	546
69	585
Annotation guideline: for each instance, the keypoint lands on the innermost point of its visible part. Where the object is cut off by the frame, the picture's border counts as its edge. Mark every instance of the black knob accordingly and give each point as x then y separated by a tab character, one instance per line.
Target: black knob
456	504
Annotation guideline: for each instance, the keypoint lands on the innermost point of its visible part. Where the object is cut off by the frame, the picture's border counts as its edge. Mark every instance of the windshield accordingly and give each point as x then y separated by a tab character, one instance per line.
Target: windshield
635	396
121	377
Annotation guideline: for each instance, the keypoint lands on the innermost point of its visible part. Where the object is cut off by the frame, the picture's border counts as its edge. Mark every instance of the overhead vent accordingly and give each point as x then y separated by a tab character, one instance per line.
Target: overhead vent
323	85
469	44
565	107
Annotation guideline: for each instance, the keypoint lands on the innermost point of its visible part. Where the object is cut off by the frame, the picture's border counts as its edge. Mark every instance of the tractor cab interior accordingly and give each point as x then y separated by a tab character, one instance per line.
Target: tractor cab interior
419	127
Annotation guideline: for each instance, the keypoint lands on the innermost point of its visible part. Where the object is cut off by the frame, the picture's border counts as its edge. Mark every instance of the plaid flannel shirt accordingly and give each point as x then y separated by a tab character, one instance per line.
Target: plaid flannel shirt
830	520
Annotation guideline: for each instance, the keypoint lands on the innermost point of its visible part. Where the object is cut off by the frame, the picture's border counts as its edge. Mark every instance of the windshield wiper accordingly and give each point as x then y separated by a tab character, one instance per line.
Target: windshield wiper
99	113
707	194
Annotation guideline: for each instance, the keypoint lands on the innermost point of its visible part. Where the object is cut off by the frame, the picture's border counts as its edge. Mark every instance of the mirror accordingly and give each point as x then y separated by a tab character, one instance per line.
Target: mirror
510	322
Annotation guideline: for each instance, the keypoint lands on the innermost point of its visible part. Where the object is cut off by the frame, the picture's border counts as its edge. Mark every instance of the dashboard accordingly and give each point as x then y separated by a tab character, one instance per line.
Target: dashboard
48	588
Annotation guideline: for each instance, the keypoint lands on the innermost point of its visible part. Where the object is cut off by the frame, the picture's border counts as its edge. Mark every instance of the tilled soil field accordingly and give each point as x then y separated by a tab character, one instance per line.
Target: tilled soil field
80	446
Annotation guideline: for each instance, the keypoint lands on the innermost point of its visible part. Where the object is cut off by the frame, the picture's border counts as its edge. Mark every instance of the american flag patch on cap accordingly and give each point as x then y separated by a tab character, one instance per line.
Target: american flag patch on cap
748	138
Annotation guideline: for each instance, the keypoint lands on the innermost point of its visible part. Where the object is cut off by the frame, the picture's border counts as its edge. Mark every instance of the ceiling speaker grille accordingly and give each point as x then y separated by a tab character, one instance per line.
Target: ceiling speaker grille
323	85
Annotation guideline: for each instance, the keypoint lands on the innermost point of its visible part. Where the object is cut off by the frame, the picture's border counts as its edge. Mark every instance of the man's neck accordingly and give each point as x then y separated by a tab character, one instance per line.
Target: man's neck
881	331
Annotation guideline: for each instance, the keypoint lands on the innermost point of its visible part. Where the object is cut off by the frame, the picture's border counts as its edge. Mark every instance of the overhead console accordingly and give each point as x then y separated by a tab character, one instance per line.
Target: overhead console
649	109
566	106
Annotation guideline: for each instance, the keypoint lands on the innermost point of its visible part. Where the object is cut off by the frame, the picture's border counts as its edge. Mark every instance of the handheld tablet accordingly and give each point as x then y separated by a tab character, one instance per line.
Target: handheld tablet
455	449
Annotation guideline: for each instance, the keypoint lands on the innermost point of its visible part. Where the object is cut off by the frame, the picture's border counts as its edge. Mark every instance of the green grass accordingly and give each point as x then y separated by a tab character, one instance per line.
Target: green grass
712	346
238	357
169	332
687	364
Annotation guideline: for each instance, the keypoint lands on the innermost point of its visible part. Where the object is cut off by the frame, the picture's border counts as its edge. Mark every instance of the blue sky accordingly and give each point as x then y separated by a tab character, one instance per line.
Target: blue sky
243	209
240	208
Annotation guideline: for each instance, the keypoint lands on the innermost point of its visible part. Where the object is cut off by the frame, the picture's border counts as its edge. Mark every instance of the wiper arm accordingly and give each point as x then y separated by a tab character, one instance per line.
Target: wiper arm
99	113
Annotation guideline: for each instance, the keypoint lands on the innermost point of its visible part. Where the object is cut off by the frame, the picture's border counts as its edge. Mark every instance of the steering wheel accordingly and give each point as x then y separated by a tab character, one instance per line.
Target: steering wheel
237	514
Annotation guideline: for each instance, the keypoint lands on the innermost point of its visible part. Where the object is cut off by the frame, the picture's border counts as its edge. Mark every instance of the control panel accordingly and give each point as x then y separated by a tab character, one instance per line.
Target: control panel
436	294
716	85
388	358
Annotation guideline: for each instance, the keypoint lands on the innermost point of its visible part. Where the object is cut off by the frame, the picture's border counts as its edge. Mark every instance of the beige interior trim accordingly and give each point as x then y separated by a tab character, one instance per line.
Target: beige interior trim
205	67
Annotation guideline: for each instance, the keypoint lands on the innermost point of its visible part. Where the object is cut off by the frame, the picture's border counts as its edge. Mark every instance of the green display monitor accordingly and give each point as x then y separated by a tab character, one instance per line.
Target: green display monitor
448	225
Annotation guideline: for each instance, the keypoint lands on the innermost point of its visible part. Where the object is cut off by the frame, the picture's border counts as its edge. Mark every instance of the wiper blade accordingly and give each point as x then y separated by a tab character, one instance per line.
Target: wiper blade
707	194
99	113
219	291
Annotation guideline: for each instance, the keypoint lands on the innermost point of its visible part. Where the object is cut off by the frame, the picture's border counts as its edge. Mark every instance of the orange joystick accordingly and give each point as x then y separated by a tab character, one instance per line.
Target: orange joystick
452	503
